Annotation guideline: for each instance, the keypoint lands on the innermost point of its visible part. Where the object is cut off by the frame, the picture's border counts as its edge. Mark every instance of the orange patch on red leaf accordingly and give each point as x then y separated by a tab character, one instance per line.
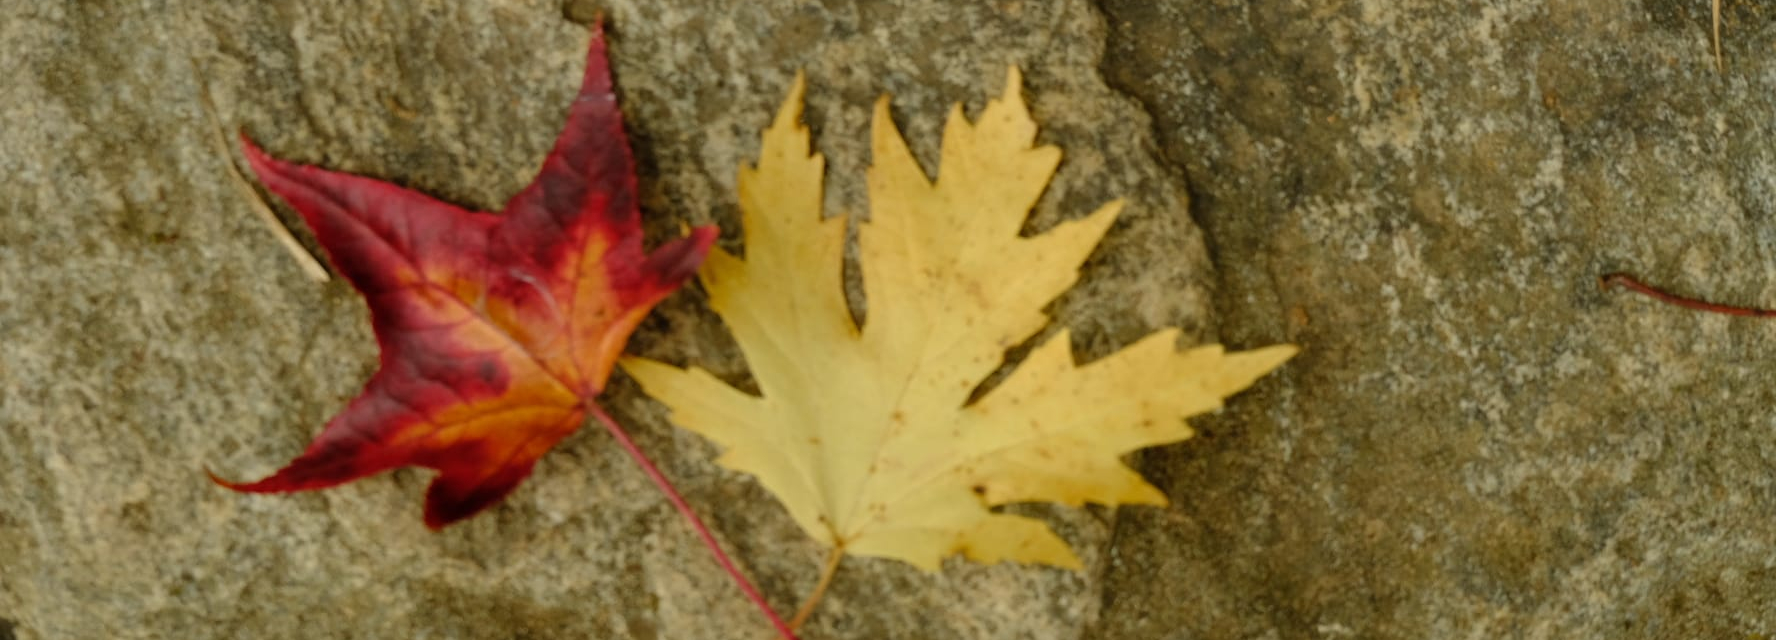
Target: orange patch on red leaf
496	330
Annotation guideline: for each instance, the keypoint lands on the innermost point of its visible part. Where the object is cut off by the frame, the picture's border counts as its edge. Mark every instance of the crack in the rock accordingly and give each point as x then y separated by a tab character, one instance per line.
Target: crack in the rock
1154	149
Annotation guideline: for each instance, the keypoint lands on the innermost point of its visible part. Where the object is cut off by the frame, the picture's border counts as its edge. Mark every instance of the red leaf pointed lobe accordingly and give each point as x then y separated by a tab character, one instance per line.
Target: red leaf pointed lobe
495	329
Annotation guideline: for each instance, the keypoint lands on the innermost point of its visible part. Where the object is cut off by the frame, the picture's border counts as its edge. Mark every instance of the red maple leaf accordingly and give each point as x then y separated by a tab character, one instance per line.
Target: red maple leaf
496	330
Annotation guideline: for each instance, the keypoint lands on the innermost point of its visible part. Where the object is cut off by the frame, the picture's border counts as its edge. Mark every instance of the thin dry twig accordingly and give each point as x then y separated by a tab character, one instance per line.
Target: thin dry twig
1720	65
310	266
1631	283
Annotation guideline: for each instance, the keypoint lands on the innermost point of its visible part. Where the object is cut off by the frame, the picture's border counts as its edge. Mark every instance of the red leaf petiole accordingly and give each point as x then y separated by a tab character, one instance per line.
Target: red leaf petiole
690	516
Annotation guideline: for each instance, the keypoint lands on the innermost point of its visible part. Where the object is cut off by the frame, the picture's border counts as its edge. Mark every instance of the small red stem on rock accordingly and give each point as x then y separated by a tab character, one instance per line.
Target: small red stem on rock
1630	283
690	516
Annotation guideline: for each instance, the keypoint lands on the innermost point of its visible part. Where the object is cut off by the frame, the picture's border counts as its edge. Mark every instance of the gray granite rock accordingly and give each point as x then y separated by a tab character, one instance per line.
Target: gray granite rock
1477	441
150	327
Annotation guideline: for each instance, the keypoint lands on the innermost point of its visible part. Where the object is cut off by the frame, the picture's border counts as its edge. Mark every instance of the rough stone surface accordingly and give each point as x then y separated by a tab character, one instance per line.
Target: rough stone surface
152	328
1477	442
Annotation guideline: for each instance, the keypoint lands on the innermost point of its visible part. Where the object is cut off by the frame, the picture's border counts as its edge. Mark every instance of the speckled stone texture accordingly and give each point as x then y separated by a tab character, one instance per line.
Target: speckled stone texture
1476	443
152	328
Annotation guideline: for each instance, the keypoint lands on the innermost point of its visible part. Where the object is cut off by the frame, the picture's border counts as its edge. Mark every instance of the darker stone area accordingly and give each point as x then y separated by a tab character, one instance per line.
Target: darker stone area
1475	438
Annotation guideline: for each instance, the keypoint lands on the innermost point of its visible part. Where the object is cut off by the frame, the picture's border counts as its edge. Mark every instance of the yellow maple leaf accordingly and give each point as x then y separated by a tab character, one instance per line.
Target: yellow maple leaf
867	435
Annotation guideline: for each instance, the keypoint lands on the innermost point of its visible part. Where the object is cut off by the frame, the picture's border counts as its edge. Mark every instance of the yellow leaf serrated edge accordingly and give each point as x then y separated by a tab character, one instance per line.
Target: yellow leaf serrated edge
926	254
